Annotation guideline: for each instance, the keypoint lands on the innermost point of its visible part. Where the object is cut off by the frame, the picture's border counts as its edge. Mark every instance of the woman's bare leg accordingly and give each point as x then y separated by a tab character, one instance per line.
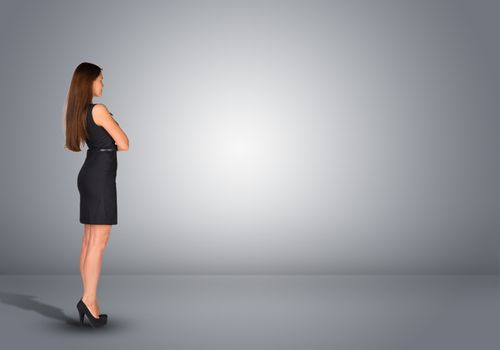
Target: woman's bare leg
83	252
98	238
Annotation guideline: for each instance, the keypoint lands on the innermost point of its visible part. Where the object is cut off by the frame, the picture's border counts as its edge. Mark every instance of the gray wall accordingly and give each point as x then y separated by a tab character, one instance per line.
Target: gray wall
265	136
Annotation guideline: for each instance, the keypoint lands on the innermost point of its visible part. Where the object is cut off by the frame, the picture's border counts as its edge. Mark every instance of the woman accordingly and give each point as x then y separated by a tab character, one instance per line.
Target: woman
93	124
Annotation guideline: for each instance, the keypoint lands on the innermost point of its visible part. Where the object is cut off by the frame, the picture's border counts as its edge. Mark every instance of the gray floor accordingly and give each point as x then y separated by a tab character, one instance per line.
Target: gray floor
255	312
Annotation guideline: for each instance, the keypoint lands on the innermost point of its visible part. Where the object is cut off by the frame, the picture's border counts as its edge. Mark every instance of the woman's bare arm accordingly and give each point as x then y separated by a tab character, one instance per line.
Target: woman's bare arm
103	117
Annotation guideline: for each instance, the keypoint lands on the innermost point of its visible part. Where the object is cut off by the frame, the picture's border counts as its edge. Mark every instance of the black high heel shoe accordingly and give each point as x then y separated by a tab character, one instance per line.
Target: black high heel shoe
94	322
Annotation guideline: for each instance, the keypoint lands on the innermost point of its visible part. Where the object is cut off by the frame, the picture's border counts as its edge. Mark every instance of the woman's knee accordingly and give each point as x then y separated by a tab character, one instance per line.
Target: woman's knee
99	235
86	234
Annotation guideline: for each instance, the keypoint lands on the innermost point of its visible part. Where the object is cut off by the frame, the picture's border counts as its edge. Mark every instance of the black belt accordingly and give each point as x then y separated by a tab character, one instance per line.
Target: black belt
102	149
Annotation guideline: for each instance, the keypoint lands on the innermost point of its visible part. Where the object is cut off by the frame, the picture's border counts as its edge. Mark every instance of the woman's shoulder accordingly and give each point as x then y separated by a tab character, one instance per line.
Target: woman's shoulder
99	112
99	106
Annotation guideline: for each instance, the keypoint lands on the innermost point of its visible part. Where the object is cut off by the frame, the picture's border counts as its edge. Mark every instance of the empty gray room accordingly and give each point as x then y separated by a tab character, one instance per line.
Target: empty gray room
300	175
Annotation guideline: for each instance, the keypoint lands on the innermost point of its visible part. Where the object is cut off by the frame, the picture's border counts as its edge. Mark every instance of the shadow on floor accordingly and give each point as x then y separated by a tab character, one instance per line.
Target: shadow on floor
28	302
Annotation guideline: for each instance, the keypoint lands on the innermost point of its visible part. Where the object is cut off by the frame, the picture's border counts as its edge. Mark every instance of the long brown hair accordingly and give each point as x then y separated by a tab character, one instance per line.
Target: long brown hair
78	98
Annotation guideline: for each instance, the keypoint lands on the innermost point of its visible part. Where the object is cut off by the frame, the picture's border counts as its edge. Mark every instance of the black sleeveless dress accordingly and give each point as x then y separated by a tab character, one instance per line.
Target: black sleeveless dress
97	176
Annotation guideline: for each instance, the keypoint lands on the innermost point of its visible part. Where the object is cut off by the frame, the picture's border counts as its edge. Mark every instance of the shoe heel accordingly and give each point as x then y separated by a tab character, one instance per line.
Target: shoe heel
82	315
81	311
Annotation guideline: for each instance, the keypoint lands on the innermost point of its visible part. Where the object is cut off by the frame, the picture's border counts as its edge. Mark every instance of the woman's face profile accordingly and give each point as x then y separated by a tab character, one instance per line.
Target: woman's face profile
97	86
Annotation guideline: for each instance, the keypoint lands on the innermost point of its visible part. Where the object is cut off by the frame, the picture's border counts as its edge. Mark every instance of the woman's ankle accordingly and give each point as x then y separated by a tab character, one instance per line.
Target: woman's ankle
89	300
